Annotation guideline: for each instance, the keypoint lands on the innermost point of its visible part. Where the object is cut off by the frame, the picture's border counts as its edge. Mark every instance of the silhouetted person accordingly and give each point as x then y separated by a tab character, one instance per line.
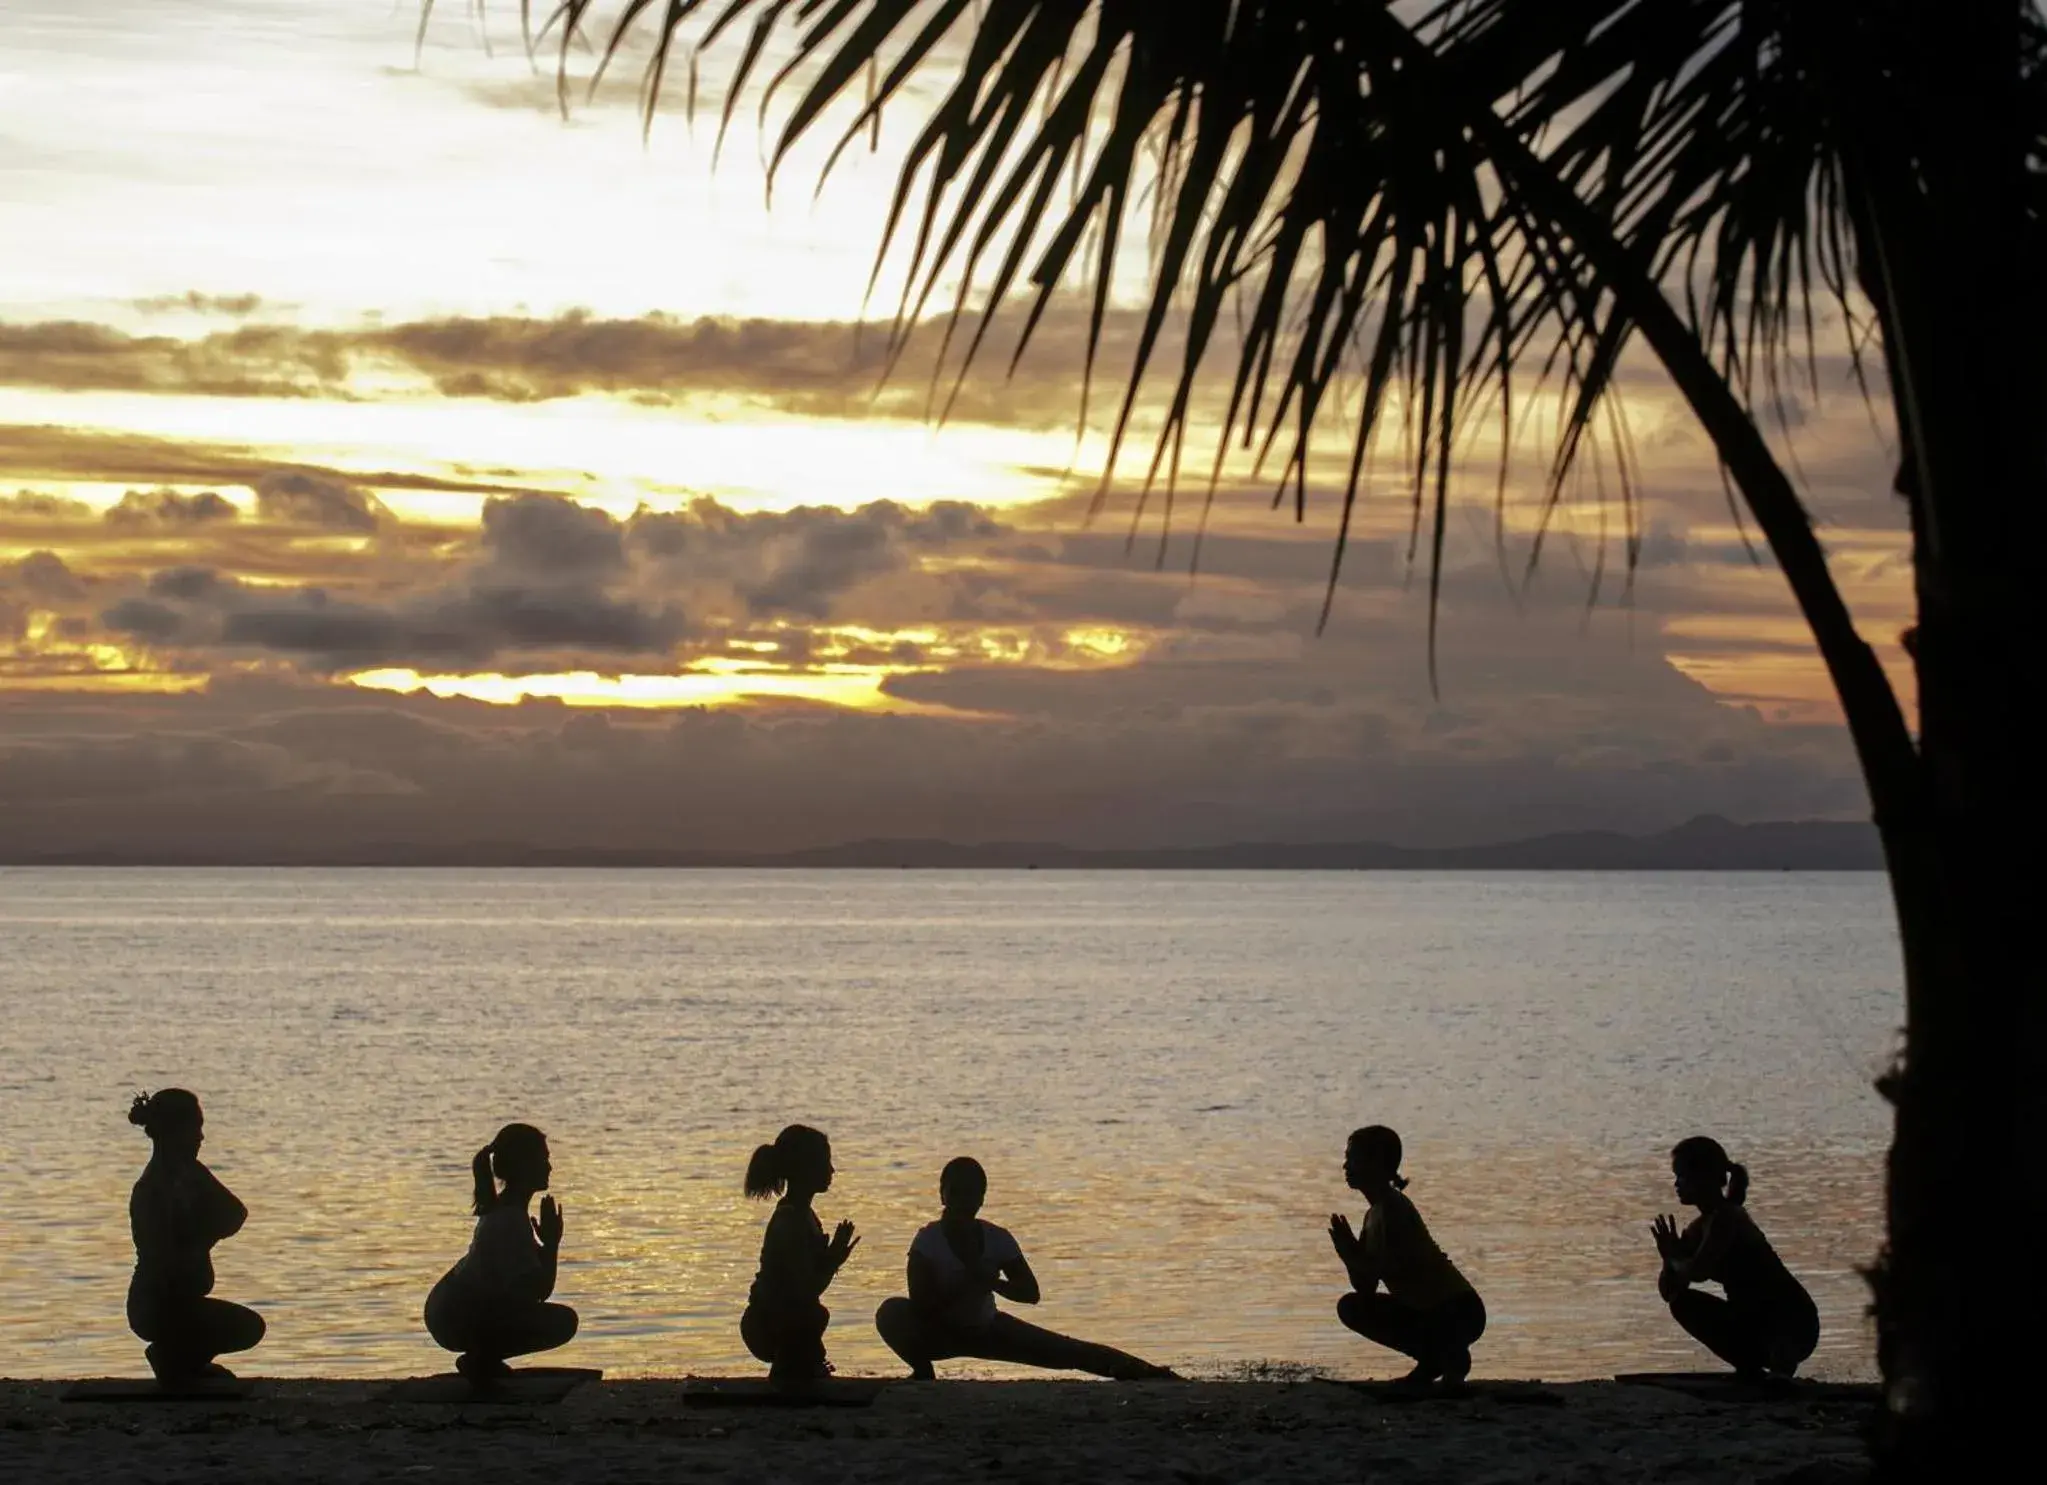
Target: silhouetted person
957	1266
1429	1311
785	1320
1767	1324
493	1304
177	1212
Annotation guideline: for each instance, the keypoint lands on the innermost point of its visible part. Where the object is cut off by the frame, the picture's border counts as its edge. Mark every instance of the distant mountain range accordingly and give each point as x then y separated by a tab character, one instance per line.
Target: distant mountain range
1708	843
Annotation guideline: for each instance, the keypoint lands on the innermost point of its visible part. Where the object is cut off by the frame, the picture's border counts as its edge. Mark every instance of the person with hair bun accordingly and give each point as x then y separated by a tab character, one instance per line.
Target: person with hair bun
957	1266
1767	1325
178	1211
1429	1311
494	1303
785	1318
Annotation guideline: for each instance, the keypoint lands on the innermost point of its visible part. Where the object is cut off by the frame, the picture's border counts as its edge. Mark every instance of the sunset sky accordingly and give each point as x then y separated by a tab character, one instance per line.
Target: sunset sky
384	458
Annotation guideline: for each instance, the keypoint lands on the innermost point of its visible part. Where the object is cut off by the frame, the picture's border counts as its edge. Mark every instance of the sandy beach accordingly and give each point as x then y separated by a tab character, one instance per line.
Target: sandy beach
1184	1433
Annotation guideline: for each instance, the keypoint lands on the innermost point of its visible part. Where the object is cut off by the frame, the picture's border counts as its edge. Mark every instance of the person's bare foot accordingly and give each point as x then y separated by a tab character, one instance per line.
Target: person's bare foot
181	1371
481	1368
1417	1383
797	1376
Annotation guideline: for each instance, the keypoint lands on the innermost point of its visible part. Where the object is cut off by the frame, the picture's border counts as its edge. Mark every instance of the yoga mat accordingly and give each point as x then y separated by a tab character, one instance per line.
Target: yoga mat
759	1392
533	1385
1522	1394
149	1390
1727	1387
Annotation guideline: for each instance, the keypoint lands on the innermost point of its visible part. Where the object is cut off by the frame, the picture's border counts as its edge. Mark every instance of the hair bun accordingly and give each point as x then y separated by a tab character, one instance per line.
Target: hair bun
138	1111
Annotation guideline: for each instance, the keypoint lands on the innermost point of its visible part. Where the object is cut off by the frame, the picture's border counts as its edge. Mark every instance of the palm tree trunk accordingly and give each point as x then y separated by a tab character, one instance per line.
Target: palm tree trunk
1962	1292
1962	819
1958	814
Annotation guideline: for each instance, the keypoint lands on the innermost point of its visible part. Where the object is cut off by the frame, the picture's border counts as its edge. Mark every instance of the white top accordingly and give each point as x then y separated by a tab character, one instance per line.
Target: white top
502	1253
970	1304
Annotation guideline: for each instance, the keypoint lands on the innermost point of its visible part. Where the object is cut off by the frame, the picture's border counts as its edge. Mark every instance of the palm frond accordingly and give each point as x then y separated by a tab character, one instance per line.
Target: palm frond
1316	166
1299	173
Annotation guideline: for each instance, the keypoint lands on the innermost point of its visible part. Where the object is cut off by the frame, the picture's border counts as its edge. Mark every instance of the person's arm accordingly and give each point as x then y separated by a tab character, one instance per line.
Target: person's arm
1014	1280
547	1240
789	1255
1699	1250
1668	1246
167	1241
532	1282
1673	1247
1001	1268
1350	1249
927	1289
800	1259
152	1214
513	1258
836	1252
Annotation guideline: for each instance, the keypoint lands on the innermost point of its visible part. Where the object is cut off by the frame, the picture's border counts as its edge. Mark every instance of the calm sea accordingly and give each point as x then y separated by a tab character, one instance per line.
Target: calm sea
1158	1070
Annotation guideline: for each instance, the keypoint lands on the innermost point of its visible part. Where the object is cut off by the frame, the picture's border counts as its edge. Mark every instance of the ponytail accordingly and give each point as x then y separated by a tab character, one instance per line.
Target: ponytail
1709	1158
764	1177
516	1154
1737	1182
1383	1145
770	1168
486	1183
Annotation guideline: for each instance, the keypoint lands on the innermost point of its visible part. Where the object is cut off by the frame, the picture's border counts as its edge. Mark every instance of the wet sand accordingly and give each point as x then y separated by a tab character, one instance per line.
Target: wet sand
1192	1433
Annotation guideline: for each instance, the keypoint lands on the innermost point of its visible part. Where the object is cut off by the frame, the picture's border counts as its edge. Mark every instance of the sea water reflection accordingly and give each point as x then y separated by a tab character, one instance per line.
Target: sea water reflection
1158	1070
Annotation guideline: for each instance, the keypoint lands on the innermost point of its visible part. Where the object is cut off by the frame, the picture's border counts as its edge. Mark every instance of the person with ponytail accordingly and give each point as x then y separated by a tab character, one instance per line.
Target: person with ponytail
1429	1311
957	1266
178	1211
494	1303
1767	1324
785	1318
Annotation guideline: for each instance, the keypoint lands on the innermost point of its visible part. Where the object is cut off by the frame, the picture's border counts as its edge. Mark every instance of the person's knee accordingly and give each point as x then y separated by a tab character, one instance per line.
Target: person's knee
142	1320
451	1332
896	1323
252	1329
564	1323
446	1320
1474	1322
757	1338
1351	1311
1686	1309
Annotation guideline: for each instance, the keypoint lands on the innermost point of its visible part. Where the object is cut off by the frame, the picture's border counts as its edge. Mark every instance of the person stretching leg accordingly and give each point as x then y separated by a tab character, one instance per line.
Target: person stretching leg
957	1266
